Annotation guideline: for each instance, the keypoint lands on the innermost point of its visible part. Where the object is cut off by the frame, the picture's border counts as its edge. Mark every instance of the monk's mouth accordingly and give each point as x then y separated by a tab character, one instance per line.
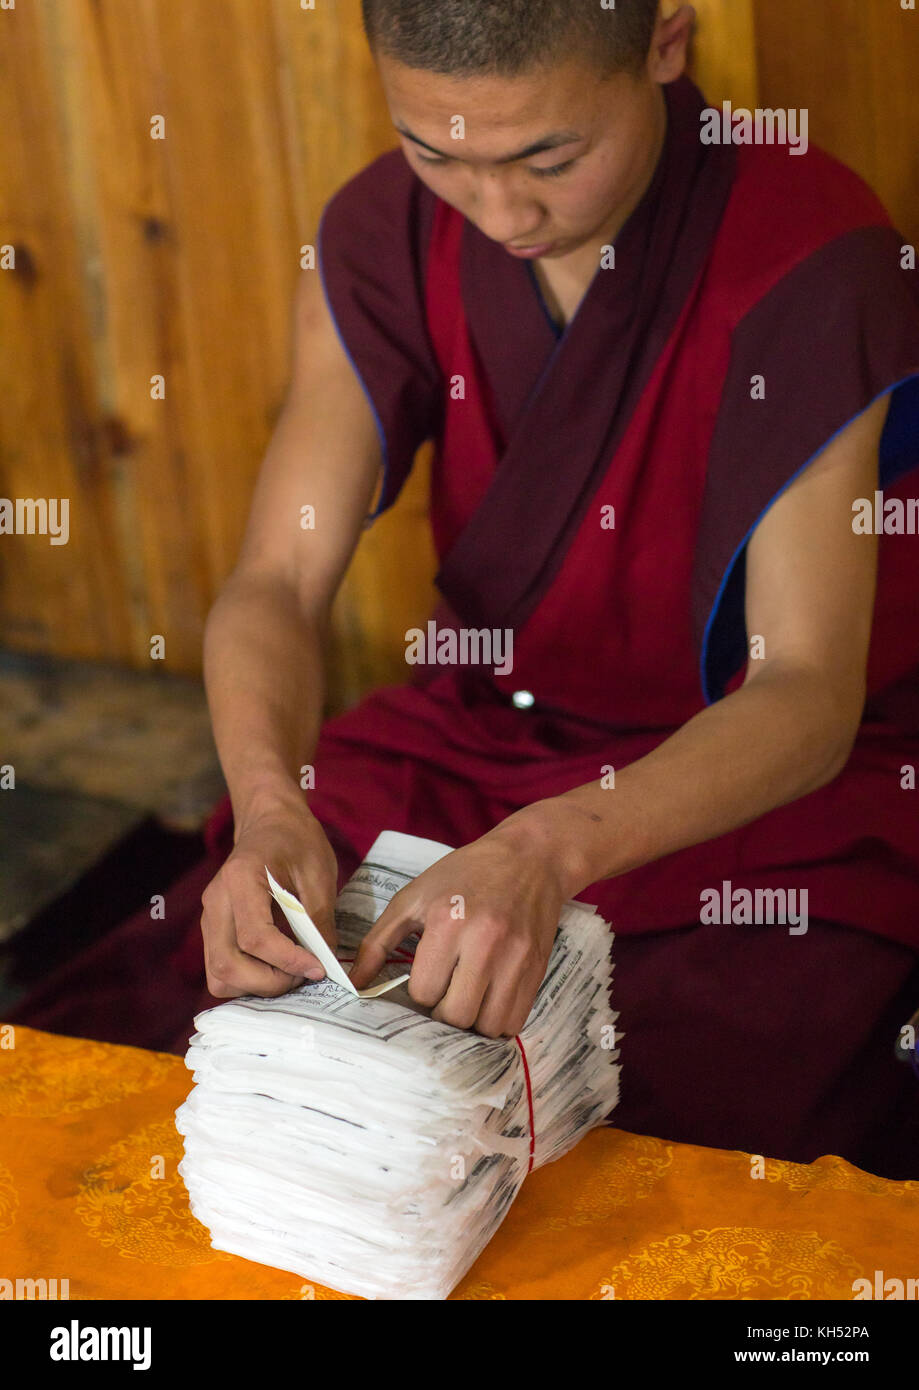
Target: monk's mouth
532	252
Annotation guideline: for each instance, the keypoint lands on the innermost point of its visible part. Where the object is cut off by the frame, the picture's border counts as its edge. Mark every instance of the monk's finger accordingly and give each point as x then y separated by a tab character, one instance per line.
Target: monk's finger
230	973
256	933
436	958
505	1009
462	1001
234	975
394	924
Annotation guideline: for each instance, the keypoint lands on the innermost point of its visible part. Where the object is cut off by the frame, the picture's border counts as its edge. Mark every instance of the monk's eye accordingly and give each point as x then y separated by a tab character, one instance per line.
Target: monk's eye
430	159
555	170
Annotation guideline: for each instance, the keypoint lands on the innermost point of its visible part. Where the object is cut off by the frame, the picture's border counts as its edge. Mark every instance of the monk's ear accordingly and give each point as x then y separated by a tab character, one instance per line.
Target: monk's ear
669	50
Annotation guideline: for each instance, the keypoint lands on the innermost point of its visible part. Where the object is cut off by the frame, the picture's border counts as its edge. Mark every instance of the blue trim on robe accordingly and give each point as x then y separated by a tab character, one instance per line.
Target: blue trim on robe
384	444
557	329
899	455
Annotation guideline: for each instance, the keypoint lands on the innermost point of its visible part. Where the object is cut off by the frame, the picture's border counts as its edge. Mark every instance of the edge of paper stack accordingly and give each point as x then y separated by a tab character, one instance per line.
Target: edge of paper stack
358	1143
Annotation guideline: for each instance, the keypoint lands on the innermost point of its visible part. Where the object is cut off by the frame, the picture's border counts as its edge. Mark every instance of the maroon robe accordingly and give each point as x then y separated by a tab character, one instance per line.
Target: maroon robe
738	263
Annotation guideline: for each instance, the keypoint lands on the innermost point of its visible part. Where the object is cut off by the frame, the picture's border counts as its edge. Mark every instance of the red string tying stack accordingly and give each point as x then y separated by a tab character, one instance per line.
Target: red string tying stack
526	1075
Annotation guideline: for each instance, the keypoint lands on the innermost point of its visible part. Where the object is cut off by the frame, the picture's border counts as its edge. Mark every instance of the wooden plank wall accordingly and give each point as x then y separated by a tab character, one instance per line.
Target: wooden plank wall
138	257
855	65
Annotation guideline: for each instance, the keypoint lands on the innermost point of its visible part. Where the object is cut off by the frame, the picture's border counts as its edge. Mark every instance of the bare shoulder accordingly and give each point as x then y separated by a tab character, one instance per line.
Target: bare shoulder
316	347
321	467
810	578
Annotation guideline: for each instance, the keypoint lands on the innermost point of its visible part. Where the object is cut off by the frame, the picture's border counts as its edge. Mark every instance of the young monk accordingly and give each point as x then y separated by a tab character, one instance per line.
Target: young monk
659	373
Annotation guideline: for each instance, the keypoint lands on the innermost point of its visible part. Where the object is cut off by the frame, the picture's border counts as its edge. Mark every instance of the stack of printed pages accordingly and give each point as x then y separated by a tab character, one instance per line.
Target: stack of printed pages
358	1143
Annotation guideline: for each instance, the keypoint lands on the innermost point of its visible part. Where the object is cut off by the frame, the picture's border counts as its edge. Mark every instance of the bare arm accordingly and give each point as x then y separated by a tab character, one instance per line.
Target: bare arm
263	663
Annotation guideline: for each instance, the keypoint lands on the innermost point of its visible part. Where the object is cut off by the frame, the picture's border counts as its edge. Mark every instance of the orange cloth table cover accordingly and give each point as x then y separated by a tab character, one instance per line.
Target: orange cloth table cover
89	1193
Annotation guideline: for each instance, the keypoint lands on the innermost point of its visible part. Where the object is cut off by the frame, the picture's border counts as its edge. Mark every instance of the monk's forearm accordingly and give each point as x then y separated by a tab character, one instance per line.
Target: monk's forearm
263	672
775	739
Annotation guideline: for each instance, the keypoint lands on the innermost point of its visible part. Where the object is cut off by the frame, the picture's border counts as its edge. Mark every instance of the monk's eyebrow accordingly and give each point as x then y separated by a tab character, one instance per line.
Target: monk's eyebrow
548	142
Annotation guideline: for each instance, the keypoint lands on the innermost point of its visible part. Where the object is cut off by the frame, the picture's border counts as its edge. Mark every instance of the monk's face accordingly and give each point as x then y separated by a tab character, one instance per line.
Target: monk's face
604	137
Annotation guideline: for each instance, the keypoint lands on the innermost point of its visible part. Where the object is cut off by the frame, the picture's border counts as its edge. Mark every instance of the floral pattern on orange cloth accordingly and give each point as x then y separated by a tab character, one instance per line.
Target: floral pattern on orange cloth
640	1164
58	1076
90	1193
741	1262
834	1173
134	1201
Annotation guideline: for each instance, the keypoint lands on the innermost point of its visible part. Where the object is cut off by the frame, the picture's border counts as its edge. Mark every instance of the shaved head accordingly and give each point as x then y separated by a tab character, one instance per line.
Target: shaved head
465	38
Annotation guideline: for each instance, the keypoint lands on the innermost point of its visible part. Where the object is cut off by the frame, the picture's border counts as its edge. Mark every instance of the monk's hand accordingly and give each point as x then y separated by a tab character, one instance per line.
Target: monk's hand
488	914
245	950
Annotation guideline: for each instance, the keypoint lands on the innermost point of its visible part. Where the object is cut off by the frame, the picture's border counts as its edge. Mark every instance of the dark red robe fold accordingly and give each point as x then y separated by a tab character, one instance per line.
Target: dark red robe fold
736	264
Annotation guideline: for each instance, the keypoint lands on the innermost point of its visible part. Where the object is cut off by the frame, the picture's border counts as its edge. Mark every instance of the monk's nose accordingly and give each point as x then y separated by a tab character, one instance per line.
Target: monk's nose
502	217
